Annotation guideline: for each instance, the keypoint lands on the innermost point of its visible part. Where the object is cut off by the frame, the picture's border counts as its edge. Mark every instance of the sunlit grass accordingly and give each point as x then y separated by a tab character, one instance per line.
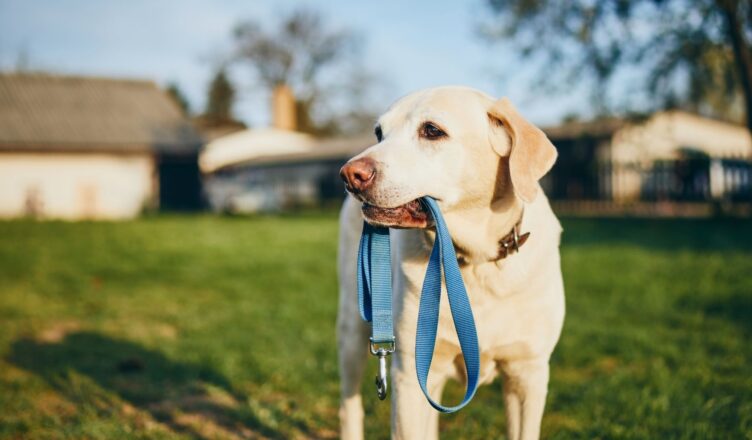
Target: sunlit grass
212	327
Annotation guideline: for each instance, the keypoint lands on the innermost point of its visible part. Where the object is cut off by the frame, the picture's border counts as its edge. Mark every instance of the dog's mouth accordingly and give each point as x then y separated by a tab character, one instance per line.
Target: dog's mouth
412	215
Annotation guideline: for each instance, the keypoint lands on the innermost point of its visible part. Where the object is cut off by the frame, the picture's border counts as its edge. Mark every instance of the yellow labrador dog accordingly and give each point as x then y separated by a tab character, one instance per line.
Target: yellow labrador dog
481	161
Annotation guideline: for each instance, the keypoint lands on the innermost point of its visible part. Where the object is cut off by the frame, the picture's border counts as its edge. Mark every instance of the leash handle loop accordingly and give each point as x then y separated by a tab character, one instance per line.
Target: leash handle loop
375	304
444	255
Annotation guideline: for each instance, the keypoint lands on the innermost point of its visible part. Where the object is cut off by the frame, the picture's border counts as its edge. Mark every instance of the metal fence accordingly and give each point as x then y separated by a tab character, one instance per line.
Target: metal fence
681	180
692	186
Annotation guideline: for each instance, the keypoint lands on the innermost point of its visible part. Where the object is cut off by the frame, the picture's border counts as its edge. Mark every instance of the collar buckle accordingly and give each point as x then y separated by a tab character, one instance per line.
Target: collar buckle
511	242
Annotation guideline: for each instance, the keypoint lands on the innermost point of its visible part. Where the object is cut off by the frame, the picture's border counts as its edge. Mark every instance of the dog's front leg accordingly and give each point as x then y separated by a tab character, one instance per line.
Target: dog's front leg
352	337
352	362
525	388
412	416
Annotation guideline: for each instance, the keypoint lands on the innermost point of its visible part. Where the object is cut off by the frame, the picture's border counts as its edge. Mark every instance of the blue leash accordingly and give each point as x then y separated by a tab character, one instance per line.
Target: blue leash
375	302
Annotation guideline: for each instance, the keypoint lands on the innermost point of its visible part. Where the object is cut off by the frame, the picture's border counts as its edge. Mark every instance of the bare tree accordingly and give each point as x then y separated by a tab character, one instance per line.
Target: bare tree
303	53
695	52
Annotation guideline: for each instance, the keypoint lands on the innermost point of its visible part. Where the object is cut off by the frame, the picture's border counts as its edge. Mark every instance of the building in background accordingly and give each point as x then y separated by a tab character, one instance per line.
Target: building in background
668	156
81	147
272	169
210	130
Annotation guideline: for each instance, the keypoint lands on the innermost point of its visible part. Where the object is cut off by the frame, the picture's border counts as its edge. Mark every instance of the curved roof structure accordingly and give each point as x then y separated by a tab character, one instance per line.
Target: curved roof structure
272	145
247	145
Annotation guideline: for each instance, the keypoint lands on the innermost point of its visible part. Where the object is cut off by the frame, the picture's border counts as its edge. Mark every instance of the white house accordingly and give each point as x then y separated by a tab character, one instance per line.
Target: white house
269	169
622	159
78	147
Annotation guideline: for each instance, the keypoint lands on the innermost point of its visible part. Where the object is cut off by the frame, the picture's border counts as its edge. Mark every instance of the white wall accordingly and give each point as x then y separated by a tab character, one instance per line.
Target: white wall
662	137
664	134
76	185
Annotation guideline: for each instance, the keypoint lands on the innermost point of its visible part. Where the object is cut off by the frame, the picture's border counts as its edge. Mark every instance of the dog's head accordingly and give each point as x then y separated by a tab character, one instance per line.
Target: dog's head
455	144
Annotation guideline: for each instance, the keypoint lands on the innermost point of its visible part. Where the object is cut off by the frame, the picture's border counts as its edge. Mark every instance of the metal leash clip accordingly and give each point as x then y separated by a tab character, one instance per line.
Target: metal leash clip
382	350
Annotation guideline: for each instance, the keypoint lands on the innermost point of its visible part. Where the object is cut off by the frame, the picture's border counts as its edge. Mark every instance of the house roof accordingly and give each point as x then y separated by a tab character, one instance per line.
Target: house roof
605	127
211	129
599	128
60	113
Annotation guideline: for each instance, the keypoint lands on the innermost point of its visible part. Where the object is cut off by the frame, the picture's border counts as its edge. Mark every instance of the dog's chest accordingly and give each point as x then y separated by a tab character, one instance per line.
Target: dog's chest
493	291
503	295
499	317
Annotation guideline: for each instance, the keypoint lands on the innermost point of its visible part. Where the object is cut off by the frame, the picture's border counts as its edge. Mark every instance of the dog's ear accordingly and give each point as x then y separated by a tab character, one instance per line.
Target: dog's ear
531	154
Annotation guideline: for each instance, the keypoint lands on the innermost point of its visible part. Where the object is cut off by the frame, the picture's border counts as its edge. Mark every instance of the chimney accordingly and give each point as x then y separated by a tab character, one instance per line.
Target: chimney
283	108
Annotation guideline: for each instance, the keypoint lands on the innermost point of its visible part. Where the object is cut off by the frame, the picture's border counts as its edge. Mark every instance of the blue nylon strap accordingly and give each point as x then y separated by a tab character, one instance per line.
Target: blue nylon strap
375	301
443	254
375	282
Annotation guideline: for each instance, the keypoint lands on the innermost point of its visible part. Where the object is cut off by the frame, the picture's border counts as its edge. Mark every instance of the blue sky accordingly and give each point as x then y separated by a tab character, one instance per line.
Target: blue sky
412	45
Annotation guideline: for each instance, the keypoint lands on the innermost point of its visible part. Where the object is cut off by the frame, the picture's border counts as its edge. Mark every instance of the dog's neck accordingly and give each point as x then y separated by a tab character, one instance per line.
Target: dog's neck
478	231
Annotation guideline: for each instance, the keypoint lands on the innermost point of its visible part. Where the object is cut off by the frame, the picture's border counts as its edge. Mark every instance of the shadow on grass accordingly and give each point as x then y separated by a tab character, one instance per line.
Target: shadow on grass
188	398
664	234
735	308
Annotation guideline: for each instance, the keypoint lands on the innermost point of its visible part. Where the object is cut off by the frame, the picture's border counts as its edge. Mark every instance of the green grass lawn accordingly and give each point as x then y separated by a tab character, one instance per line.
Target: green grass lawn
199	326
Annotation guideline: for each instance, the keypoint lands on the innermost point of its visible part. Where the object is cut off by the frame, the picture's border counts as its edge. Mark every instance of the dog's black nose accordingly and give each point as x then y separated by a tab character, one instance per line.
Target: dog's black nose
358	174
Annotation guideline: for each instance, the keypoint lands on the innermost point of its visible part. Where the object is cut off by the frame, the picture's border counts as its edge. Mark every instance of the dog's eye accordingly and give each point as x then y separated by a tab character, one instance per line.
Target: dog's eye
379	134
431	132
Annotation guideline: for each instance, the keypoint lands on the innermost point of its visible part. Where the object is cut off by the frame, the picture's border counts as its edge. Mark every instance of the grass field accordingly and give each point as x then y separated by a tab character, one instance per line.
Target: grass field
199	326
